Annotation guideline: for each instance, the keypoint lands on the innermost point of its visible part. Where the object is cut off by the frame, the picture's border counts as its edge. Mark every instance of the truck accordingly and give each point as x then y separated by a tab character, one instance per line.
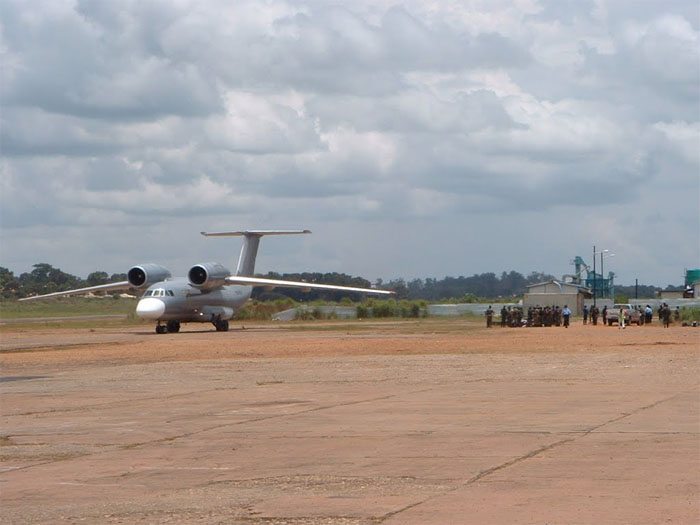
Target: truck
632	315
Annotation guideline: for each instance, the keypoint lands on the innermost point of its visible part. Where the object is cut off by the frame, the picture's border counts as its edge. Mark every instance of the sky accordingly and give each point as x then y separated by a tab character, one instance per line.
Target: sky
415	139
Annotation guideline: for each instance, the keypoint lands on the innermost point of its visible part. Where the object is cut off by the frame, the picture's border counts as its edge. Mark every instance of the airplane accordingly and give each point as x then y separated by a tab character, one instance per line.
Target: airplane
209	294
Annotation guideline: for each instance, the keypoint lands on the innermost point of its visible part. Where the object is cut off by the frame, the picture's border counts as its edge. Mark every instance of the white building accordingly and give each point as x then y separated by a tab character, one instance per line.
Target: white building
555	293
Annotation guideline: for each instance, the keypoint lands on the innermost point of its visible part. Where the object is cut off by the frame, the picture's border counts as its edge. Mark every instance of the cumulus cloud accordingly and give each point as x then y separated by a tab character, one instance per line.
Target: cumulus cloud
412	120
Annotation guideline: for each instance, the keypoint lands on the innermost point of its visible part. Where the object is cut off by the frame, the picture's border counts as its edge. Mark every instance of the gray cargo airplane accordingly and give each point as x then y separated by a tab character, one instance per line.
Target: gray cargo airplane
209	294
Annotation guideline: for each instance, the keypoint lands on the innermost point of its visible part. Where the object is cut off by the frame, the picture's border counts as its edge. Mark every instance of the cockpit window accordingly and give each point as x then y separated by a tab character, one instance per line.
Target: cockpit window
159	292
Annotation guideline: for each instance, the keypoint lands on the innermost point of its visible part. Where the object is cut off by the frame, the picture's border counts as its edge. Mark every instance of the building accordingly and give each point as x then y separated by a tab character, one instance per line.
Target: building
555	293
670	294
692	284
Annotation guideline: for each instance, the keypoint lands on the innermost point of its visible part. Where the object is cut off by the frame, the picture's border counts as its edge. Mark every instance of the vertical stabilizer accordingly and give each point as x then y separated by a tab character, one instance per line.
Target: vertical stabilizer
251	241
249	251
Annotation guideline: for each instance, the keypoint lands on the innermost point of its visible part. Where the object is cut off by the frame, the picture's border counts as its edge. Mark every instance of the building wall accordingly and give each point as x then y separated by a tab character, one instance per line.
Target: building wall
671	295
573	300
553	288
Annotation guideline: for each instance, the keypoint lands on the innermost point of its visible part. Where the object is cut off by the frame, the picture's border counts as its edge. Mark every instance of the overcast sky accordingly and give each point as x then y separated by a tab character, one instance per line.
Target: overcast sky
416	139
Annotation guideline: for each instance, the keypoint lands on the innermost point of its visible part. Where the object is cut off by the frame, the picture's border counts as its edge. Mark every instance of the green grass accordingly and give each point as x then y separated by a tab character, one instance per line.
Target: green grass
66	307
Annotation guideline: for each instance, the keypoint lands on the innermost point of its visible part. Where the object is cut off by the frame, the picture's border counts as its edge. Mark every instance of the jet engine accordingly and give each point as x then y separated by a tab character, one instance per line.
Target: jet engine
208	275
146	274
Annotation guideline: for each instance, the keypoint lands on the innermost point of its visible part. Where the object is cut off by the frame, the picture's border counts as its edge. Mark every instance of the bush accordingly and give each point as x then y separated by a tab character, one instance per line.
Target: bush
690	314
263	310
392	308
362	311
384	308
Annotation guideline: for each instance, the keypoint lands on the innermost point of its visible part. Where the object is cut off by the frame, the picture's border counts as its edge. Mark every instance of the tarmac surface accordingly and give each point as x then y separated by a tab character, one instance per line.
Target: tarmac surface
392	423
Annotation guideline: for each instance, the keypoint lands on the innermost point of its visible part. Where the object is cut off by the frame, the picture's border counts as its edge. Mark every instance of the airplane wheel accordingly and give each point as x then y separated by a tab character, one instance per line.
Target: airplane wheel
173	327
221	326
161	329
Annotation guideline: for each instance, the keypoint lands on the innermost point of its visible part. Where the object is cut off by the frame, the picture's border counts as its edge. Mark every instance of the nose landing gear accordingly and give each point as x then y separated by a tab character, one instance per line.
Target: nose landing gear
172	327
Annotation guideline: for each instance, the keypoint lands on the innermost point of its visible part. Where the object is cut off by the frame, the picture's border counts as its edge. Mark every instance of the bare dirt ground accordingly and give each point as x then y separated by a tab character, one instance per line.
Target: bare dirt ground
351	423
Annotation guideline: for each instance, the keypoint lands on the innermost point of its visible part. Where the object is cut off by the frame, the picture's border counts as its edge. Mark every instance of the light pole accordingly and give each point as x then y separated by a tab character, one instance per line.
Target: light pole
602	274
594	277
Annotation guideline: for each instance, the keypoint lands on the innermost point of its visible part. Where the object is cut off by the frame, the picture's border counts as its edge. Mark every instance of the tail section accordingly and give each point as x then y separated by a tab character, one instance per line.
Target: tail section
251	241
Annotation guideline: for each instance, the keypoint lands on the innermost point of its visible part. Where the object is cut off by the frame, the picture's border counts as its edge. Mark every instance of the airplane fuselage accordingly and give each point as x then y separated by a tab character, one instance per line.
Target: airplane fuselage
177	300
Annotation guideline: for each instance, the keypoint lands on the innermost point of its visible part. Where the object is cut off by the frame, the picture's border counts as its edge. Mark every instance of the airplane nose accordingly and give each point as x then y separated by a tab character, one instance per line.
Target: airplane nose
150	308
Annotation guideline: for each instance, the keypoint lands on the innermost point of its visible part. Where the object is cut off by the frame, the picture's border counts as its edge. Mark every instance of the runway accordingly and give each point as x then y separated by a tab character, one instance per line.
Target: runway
396	426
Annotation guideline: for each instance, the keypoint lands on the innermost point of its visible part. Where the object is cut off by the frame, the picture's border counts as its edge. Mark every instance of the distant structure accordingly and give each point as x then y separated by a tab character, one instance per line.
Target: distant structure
555	293
599	286
692	284
689	290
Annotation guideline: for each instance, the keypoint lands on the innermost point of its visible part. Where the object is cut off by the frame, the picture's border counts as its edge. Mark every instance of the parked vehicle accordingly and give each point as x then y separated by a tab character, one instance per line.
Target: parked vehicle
632	315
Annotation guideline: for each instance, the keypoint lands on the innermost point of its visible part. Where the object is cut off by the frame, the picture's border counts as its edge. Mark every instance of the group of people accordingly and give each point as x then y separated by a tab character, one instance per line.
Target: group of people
594	312
514	316
664	313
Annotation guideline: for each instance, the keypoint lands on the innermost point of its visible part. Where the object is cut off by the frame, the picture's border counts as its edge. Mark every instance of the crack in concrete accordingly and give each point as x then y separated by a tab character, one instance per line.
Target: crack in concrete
531	454
265	418
170	439
117	403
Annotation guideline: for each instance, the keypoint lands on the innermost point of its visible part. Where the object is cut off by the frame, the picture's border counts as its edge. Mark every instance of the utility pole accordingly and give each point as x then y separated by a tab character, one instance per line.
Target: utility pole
594	275
602	277
636	288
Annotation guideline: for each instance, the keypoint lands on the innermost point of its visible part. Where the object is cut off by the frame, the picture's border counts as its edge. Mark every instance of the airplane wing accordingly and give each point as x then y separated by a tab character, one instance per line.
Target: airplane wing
273	283
111	287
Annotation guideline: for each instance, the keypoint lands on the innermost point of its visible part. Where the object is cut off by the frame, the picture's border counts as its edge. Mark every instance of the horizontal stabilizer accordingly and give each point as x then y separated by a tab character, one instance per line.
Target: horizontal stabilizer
111	287
276	283
256	233
251	241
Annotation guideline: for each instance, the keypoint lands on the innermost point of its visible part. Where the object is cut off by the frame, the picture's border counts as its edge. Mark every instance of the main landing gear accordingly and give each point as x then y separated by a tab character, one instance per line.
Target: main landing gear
171	327
221	325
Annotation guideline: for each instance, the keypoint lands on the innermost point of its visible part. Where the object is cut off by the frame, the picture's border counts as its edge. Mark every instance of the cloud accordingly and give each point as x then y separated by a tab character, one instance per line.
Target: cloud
383	118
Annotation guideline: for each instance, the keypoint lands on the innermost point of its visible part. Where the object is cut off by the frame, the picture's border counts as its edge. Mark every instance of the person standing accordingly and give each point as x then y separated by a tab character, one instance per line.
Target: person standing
666	315
605	314
566	314
648	314
489	317
585	314
621	318
594	315
504	315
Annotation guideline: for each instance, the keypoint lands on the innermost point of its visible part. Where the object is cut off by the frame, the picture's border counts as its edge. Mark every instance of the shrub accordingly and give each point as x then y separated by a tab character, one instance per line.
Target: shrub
362	311
690	314
263	310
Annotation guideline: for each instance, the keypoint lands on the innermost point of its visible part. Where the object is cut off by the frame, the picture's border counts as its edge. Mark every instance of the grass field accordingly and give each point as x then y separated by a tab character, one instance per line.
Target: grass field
67	307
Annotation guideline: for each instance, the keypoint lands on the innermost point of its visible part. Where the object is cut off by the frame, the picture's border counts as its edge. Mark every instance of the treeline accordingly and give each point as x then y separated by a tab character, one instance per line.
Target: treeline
467	289
298	295
642	291
44	278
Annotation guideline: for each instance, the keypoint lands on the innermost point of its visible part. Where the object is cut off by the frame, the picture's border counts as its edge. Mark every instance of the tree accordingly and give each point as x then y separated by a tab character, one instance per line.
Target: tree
97	278
44	278
9	285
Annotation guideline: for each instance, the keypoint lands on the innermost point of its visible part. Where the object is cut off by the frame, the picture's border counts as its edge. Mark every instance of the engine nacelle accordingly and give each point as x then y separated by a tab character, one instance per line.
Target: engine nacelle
208	275
146	274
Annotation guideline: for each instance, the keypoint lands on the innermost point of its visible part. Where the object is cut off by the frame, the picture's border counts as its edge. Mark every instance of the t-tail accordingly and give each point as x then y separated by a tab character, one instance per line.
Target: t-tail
251	241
